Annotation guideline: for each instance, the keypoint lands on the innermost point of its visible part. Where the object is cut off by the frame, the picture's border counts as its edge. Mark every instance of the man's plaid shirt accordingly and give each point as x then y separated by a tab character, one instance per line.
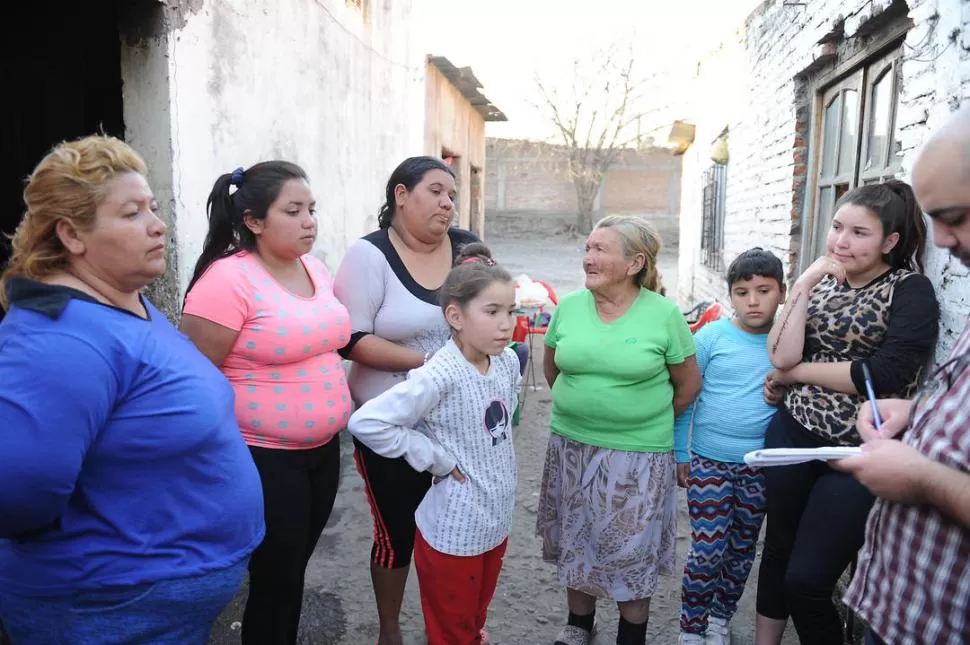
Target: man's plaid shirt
913	580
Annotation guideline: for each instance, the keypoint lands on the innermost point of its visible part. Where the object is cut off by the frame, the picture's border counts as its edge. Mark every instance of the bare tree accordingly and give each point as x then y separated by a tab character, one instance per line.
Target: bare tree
597	116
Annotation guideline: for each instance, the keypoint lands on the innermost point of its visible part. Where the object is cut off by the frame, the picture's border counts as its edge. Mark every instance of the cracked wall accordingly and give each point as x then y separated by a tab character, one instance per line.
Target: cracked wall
321	83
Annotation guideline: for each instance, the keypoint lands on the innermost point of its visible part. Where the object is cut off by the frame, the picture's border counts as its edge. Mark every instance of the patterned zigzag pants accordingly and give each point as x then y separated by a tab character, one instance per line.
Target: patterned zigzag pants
727	507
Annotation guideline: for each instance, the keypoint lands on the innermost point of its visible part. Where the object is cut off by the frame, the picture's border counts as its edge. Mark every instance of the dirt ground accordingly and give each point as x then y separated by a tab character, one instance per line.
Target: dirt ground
529	605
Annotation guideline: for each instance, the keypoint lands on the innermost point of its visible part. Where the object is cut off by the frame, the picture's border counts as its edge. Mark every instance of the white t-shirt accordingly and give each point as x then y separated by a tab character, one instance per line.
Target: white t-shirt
445	414
384	299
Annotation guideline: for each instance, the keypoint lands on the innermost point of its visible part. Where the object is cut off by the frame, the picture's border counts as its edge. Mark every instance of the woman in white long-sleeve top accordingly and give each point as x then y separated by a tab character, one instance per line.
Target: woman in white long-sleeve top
452	417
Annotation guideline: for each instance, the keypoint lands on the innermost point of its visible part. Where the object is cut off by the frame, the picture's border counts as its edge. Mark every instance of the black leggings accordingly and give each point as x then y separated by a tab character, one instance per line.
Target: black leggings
394	490
299	489
815	527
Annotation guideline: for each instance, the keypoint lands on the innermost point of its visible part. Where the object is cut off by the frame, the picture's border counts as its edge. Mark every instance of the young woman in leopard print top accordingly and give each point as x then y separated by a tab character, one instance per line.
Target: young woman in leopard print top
865	302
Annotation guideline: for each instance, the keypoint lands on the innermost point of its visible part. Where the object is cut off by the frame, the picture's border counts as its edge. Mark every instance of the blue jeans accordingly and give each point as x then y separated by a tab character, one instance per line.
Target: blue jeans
167	612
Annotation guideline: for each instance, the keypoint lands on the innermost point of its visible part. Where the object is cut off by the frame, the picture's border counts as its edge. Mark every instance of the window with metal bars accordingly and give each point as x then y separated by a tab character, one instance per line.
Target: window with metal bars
712	221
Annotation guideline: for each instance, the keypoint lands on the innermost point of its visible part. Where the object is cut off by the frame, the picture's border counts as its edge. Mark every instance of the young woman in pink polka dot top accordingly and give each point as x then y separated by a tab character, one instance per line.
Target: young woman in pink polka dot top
263	310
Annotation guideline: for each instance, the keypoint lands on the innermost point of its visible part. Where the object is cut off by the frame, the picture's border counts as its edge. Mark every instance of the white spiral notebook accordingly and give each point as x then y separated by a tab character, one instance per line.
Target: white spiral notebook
789	456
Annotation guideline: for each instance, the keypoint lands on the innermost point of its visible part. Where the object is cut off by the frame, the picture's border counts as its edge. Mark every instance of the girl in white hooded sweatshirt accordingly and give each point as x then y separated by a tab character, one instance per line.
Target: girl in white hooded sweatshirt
453	418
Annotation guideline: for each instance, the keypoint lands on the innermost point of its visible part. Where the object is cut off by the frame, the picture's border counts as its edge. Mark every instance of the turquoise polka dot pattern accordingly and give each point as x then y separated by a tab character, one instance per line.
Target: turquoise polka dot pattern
290	393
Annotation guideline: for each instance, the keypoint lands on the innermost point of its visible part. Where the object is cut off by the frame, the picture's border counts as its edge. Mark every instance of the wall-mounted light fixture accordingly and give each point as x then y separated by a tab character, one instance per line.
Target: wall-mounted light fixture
719	149
681	136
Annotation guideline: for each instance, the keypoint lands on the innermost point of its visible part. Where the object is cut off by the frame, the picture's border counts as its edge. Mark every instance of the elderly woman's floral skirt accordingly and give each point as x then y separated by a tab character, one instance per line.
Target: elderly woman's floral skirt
608	518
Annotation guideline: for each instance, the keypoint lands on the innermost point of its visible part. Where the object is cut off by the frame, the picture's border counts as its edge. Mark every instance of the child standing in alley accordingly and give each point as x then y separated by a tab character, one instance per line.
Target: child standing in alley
453	417
726	498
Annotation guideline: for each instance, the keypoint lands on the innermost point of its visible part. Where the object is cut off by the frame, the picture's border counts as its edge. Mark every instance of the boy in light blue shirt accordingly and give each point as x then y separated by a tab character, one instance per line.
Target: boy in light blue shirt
726	498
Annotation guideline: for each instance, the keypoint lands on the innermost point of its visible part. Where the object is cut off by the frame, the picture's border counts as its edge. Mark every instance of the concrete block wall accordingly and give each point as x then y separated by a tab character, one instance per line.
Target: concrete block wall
768	118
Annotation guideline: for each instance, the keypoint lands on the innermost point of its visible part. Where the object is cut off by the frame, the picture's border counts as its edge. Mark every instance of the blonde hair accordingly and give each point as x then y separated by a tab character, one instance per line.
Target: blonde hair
637	236
67	185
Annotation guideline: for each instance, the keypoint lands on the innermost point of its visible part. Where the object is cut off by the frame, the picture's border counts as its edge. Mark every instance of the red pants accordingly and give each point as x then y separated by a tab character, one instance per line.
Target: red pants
455	592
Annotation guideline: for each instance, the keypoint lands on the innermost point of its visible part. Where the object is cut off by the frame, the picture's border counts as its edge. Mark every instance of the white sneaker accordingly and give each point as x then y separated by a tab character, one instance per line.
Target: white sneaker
690	639
718	632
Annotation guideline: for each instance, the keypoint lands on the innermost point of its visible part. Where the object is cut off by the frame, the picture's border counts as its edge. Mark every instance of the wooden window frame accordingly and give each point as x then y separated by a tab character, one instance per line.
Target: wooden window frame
861	72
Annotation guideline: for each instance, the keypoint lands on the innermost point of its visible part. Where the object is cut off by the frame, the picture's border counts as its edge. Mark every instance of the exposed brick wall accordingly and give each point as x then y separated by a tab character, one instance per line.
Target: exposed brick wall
754	84
527	188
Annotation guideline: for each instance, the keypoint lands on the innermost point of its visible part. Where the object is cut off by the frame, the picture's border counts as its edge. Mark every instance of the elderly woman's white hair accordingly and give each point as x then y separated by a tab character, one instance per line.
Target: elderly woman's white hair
638	237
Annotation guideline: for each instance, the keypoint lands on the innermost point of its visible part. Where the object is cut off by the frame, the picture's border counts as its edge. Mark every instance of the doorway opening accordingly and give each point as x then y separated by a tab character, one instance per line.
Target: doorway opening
63	70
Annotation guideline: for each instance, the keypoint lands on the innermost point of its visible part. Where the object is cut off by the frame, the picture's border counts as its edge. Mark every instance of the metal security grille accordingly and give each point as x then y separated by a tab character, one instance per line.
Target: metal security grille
712	222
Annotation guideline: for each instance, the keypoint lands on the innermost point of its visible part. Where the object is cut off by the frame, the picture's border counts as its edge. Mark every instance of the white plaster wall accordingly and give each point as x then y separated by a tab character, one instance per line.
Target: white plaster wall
145	71
779	42
717	99
309	81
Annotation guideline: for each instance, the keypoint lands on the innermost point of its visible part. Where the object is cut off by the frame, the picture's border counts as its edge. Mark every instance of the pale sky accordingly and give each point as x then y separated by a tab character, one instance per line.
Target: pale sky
506	42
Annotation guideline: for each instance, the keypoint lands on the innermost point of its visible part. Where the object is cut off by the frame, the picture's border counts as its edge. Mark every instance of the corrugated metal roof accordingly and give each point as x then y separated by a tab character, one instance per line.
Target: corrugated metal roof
464	79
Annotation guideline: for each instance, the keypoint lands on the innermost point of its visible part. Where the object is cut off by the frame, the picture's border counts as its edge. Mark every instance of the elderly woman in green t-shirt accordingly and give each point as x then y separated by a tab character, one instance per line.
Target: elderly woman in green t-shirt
620	360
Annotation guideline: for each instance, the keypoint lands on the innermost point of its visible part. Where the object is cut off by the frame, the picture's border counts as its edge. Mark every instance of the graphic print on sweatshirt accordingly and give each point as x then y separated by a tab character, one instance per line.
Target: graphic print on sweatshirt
497	422
463	421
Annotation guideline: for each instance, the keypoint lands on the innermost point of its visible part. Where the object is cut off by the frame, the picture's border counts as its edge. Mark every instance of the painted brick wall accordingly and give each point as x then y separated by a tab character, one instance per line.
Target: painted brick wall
748	84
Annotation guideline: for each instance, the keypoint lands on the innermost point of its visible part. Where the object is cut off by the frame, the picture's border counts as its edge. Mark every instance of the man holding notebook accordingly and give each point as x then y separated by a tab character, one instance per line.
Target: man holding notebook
913	580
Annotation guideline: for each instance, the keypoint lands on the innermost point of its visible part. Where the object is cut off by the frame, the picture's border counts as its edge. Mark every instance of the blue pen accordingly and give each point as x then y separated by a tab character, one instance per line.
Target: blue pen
872	396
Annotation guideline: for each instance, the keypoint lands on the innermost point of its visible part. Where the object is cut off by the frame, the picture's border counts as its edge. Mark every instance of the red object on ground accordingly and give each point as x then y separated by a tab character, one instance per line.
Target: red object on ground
552	293
521	331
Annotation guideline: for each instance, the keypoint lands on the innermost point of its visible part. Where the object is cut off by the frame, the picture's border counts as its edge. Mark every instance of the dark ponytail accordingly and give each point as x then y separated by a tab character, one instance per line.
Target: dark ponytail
409	174
256	190
894	203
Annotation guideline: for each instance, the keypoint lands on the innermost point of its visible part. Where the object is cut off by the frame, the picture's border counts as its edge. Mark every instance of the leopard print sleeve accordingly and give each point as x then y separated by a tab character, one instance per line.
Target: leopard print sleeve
843	324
